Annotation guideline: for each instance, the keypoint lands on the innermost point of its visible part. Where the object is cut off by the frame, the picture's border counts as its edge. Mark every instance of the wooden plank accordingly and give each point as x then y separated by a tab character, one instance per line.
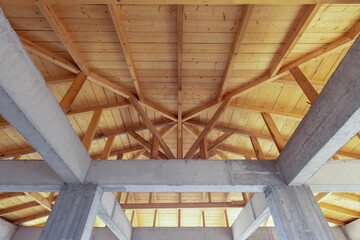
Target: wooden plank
151	127
242	26
124	130
49	56
320	196
223	128
180	131
8	195
289	115
176	2
72	92
107	150
40	199
115	12
31	218
321	52
64	36
208	128
295	36
335	221
304	84
340	210
18	207
347	196
257	148
274	132
90	132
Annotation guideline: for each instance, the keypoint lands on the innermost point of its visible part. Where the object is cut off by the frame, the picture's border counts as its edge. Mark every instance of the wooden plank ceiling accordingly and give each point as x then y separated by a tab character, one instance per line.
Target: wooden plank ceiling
221	70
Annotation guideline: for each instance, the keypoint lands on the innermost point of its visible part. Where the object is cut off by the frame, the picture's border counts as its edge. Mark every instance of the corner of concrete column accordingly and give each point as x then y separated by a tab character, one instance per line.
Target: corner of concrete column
7	230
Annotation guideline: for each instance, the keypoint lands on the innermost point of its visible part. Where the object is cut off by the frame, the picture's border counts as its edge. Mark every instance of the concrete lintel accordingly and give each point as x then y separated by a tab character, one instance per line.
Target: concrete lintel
29	106
255	212
183	175
114	217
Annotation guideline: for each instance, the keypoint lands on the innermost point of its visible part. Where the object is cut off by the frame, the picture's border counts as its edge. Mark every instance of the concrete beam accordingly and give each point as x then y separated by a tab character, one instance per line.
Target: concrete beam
73	214
114	217
190	233
331	122
183	175
337	176
177	176
7	230
28	176
255	212
29	106
297	214
100	233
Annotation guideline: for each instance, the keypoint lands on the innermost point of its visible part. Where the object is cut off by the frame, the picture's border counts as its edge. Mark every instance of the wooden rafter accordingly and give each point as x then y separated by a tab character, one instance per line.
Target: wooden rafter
341	210
304	84
124	130
49	56
40	199
257	148
154	148
301	27
115	12
95	78
243	23
107	149
208	128
90	132
204	150
72	92
66	39
274	132
145	143
151	127
214	144
223	128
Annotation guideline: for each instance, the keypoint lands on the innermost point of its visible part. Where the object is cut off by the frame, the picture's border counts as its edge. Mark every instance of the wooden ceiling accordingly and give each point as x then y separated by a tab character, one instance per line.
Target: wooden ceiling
221	70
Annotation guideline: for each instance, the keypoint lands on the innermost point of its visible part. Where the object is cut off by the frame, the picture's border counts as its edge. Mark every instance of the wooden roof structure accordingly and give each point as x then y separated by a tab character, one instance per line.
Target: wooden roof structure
205	81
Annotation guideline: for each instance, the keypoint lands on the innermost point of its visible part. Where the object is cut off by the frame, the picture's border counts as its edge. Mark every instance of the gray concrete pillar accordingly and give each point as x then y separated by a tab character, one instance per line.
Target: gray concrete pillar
73	214
297	214
7	230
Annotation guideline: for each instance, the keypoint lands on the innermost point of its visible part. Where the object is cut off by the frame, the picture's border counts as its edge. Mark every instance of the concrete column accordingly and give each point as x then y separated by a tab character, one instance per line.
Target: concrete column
73	214
255	212
352	230
114	217
7	230
297	214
